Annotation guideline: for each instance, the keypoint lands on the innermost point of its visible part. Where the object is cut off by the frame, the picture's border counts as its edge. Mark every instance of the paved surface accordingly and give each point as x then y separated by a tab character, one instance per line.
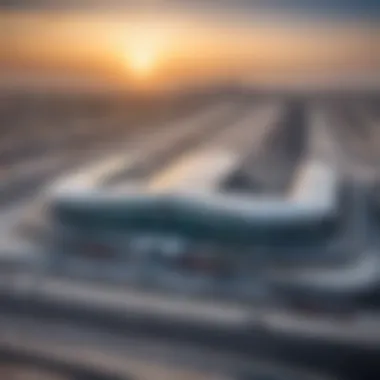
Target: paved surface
355	328
141	358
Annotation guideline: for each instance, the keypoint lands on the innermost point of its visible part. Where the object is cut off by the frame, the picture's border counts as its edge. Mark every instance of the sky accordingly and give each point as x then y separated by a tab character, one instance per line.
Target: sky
324	8
155	42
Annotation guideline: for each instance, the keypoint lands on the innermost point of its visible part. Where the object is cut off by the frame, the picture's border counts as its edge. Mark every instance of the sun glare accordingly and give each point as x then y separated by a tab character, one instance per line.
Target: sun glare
143	52
142	61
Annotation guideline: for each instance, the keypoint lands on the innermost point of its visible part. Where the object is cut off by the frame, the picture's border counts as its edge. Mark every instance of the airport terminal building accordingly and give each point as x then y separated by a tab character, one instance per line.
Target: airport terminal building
181	228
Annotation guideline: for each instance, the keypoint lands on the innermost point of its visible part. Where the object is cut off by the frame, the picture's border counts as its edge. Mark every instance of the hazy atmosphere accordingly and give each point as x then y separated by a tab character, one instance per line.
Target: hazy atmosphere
189	190
163	43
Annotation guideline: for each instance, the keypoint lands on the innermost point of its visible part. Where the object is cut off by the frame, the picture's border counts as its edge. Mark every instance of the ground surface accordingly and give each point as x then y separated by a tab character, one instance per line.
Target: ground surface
41	137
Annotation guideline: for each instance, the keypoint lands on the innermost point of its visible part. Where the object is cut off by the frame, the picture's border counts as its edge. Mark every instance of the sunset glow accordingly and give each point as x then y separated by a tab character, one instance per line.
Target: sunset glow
153	51
144	50
142	61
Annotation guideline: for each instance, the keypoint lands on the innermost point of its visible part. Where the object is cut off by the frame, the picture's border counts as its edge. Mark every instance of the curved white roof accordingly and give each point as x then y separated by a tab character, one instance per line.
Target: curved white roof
210	164
305	203
190	185
199	172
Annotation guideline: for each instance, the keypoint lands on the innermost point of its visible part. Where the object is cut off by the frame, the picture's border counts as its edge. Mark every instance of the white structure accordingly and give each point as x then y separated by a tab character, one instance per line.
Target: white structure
186	199
191	186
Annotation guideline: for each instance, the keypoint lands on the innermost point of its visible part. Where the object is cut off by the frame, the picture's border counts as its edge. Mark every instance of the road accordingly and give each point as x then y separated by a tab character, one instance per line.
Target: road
142	358
186	348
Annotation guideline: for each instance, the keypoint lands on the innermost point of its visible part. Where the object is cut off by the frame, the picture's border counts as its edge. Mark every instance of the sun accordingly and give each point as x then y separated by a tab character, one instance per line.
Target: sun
142	60
143	53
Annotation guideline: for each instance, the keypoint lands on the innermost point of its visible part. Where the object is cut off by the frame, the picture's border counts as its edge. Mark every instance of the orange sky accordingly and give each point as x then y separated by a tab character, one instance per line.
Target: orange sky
150	49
